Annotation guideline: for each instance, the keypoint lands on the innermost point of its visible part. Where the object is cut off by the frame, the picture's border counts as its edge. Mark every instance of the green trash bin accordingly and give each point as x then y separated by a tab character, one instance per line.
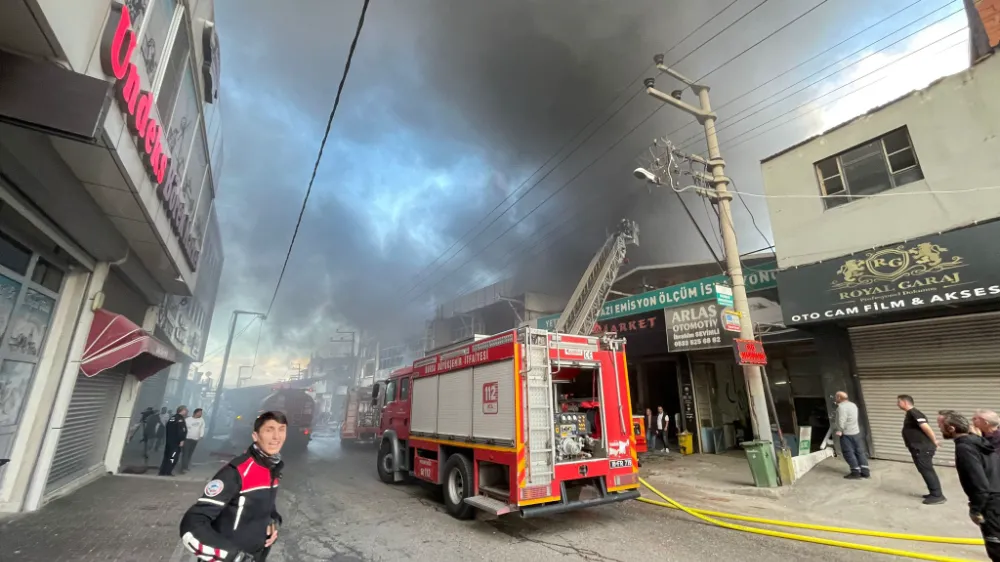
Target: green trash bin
760	455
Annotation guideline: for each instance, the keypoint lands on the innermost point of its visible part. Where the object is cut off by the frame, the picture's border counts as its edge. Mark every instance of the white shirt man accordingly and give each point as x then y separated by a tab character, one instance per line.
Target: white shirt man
195	431
662	424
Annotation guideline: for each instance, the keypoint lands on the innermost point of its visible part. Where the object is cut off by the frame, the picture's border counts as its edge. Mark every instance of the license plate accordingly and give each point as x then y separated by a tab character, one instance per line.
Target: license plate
621	463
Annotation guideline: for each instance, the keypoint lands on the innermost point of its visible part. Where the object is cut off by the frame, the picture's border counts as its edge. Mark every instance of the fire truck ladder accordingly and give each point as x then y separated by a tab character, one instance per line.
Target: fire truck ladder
541	446
581	312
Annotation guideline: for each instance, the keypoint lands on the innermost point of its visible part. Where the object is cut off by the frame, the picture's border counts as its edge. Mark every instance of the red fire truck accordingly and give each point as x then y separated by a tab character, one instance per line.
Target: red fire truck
527	421
361	416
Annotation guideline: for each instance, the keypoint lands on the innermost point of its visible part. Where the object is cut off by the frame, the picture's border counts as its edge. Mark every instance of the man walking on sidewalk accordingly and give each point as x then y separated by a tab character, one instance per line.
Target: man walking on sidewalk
922	443
979	472
852	444
175	433
195	431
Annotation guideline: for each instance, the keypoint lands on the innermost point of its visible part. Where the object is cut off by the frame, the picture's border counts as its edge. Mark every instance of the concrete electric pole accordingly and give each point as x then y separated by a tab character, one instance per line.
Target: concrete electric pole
717	167
217	400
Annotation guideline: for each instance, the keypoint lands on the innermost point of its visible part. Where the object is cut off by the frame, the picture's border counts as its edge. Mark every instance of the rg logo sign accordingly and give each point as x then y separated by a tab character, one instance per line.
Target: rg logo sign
491	397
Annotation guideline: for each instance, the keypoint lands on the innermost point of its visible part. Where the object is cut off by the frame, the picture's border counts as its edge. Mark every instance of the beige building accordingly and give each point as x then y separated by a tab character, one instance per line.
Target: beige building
886	238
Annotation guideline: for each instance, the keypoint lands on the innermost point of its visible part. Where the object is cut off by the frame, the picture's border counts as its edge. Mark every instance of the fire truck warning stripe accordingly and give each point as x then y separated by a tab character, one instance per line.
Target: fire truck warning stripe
465	445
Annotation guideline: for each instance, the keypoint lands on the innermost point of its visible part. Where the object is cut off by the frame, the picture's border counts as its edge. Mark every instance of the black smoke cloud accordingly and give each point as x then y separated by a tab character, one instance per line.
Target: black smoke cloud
478	94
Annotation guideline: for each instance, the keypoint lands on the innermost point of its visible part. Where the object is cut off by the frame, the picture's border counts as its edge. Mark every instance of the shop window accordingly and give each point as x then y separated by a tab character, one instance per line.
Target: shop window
9	290
177	63
184	119
30	323
13	255
47	275
155	34
874	167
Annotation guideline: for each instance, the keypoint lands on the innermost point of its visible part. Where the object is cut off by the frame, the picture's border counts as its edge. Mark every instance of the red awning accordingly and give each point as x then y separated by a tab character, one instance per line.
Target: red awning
115	339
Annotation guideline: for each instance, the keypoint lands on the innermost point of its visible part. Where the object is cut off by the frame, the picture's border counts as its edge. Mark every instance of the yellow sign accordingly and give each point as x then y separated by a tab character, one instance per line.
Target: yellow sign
889	265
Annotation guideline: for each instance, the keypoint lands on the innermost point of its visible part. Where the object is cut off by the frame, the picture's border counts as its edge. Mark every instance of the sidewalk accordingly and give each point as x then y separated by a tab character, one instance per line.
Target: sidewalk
123	518
889	501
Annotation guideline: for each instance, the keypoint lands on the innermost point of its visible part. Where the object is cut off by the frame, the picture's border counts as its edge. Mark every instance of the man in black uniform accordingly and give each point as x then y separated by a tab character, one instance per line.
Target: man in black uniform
176	432
979	472
236	518
922	443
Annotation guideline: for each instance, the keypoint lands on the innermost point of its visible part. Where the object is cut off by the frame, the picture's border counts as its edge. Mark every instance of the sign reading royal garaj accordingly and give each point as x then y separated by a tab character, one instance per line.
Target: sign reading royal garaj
947	269
700	290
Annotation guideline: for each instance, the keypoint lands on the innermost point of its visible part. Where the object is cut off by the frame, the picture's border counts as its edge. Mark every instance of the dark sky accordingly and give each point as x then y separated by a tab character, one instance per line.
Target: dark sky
452	104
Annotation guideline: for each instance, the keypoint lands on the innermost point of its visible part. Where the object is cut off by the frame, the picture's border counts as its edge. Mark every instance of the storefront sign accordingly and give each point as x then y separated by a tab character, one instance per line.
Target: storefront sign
643	333
117	46
749	352
731	320
697	326
211	65
948	269
759	278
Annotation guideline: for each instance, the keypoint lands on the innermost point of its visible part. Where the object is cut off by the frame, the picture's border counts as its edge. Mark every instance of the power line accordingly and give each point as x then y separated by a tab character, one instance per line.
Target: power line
322	146
814	57
814	109
713	37
417	279
729	123
223	347
753	219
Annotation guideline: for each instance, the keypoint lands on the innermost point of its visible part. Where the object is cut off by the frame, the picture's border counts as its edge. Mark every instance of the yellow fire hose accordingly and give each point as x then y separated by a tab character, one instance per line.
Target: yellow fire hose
706	516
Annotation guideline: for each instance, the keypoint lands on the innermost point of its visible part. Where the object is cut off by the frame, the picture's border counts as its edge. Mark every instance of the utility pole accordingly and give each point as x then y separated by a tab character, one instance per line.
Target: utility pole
717	166
217	400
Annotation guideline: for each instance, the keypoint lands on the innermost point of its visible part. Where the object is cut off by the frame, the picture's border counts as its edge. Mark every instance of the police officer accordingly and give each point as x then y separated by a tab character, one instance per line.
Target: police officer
236	519
176	433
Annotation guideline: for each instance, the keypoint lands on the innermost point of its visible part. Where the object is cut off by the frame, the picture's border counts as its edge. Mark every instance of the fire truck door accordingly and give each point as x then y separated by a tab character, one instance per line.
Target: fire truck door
396	414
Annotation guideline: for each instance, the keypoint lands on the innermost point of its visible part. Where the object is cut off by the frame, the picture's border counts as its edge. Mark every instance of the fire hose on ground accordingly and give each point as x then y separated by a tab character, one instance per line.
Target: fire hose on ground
713	517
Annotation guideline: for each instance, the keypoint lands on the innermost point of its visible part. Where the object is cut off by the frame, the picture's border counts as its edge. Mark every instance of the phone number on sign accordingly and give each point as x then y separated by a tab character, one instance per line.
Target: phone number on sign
697	341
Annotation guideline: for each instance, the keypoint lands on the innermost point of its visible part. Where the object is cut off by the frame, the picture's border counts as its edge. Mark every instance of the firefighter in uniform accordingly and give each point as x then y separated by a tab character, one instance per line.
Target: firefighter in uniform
236	519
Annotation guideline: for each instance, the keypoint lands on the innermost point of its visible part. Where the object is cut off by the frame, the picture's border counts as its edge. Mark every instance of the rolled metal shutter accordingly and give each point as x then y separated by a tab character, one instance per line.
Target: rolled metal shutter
83	440
948	363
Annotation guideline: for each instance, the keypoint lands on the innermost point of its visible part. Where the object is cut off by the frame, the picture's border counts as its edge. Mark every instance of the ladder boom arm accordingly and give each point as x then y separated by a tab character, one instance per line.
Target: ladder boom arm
594	287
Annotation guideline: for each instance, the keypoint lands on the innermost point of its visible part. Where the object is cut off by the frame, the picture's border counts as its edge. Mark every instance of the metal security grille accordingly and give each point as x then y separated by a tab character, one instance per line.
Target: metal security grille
945	364
84	437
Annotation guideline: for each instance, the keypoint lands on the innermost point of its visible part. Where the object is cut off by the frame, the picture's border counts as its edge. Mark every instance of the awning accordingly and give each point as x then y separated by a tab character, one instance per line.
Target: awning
115	339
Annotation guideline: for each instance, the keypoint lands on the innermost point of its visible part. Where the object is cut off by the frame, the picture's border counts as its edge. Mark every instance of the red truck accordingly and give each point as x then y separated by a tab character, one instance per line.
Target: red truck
361	417
527	421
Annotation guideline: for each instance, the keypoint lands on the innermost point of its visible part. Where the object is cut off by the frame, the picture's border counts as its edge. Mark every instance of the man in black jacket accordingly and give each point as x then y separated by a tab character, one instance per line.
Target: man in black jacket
979	473
176	433
236	518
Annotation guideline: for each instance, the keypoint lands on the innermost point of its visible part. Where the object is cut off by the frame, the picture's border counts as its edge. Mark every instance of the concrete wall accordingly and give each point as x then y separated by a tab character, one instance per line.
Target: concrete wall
954	126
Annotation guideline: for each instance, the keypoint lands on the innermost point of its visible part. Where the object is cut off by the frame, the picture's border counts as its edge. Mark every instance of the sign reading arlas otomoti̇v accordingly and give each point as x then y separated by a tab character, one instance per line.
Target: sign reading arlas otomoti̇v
117	46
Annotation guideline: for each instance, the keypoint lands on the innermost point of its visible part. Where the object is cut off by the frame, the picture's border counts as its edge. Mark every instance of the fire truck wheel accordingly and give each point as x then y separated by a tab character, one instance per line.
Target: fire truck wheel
458	486
385	459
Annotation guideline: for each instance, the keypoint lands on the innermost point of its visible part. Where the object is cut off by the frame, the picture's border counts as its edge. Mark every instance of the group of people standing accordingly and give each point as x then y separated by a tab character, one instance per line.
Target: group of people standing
977	457
178	434
656	428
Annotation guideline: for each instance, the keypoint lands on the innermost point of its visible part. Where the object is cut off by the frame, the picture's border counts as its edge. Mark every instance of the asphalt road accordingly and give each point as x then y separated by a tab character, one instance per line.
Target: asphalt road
336	510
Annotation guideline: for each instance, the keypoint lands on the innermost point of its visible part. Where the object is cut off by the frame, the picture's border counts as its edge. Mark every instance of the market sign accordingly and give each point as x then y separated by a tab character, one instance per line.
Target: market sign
757	279
644	333
955	267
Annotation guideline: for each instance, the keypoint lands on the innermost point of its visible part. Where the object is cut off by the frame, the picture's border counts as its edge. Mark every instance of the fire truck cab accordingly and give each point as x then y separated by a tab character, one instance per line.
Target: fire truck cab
527	421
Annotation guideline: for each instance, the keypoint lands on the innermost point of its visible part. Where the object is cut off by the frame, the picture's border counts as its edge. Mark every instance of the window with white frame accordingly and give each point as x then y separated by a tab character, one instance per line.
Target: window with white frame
876	166
155	34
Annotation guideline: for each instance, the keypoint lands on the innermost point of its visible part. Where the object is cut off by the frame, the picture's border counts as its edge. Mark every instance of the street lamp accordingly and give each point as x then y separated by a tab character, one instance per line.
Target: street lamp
225	362
717	168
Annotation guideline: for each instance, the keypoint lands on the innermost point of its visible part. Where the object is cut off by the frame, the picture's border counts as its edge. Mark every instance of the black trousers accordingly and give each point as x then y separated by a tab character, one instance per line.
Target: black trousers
171	453
662	434
925	466
187	451
990	528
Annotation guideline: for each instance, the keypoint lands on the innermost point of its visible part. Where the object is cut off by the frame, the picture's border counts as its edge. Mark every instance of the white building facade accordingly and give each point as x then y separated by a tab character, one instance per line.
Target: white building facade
110	150
886	236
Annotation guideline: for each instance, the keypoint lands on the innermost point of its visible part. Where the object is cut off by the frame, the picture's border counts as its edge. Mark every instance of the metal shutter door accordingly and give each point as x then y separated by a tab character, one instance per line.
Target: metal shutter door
84	437
945	364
